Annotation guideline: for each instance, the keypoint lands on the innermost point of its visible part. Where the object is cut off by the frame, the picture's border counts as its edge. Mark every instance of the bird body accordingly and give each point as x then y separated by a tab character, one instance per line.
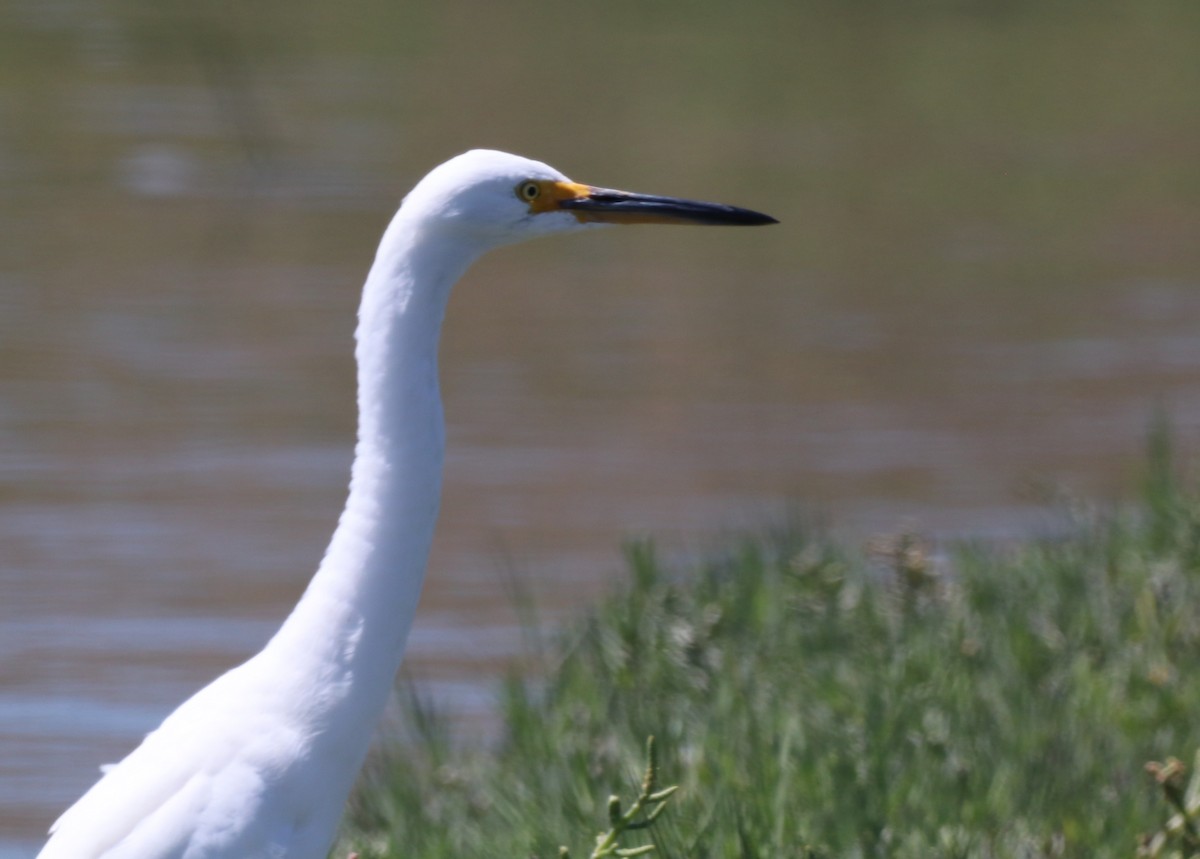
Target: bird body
258	764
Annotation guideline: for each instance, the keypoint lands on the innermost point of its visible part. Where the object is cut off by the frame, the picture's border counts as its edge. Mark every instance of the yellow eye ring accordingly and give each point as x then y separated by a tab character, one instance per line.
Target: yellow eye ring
529	191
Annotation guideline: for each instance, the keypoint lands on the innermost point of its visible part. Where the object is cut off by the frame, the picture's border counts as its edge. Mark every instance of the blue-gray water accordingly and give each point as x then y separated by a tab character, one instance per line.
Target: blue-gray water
986	279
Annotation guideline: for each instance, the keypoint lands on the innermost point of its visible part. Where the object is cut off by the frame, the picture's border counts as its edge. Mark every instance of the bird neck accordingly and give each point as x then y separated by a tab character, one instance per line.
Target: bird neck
355	616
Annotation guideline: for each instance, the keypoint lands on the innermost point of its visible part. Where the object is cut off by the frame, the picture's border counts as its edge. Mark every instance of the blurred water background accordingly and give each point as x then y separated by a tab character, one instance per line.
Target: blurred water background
986	280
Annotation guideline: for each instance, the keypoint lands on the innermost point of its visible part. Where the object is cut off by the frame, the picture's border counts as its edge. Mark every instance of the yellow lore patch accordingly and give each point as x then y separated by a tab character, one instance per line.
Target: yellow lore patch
545	195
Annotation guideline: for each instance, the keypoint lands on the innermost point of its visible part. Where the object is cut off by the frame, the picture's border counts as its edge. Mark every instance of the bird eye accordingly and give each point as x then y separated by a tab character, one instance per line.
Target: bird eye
528	191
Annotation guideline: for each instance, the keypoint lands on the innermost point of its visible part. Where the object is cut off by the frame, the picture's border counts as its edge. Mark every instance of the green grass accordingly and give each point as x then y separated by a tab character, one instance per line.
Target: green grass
814	699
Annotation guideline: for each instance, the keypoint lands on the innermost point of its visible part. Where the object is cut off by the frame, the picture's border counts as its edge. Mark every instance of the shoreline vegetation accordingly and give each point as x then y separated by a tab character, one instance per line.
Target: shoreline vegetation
812	699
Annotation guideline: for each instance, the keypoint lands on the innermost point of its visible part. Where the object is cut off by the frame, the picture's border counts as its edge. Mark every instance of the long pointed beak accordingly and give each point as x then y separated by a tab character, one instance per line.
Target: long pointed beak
605	205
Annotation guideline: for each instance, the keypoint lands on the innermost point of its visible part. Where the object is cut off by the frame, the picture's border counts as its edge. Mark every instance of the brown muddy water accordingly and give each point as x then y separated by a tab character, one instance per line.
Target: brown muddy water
986	281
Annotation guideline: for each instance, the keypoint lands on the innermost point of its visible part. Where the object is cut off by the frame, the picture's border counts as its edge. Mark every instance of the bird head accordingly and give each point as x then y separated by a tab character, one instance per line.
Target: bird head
493	198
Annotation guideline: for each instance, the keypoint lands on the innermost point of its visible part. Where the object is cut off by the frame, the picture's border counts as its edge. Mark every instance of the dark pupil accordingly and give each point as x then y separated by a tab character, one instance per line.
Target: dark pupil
530	191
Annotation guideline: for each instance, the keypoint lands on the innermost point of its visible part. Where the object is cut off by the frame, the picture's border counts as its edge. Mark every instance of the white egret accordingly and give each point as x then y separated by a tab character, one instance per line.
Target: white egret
258	764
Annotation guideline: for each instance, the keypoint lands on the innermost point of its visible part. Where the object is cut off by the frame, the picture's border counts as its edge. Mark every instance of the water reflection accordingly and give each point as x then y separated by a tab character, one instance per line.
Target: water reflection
986	279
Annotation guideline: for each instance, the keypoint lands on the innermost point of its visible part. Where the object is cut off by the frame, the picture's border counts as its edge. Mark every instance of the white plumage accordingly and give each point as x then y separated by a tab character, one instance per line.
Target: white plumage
258	764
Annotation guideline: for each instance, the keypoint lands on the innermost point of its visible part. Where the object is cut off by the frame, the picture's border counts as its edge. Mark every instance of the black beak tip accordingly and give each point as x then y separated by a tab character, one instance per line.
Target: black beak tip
735	216
761	220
